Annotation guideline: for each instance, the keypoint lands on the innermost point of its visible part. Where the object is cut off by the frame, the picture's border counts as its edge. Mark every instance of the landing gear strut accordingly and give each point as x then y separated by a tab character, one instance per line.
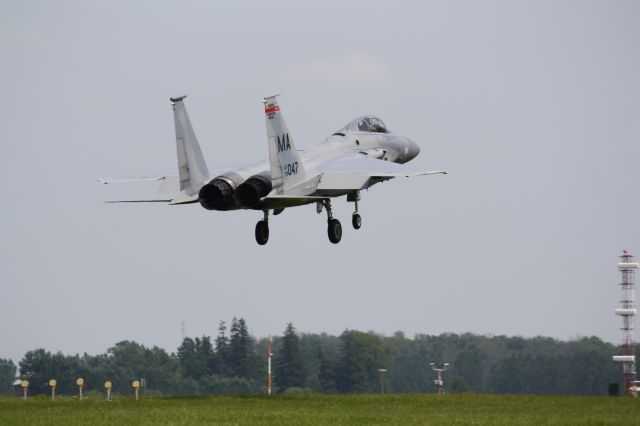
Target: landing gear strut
356	220
334	228
262	229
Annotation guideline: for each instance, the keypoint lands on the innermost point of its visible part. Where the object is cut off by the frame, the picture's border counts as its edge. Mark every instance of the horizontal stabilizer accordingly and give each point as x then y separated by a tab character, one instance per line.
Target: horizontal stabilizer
184	198
170	184
137	201
127	179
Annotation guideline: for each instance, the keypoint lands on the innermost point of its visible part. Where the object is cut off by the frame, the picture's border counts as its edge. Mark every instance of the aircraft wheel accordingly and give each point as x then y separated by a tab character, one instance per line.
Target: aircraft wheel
356	221
262	232
335	231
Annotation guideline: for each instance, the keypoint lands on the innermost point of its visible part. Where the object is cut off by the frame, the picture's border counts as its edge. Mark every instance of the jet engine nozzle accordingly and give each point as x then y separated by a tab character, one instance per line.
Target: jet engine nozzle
252	190
217	194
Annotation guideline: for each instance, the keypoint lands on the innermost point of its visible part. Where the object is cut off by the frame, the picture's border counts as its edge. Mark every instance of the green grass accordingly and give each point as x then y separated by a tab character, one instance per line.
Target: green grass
322	409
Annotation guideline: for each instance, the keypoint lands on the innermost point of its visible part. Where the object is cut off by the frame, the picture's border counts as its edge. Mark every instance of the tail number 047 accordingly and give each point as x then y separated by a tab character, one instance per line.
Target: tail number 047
290	169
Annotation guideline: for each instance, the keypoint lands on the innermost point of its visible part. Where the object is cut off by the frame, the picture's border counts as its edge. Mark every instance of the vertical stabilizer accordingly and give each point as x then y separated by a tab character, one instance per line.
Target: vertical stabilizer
286	167
192	168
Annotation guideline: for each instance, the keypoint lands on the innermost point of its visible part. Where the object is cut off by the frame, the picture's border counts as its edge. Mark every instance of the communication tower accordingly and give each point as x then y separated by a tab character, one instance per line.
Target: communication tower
627	268
269	355
438	381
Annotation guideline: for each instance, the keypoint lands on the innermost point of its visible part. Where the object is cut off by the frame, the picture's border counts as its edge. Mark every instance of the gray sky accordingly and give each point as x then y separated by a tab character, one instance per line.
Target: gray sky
533	108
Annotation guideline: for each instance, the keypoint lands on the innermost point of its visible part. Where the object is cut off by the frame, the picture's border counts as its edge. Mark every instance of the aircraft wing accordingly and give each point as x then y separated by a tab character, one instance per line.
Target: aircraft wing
358	172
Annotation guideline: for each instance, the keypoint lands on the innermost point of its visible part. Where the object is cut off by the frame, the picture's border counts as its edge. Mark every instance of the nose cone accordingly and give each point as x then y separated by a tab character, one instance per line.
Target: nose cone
411	150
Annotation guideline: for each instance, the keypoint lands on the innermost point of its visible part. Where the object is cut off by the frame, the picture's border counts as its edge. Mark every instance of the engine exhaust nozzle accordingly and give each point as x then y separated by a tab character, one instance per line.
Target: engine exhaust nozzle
252	190
217	194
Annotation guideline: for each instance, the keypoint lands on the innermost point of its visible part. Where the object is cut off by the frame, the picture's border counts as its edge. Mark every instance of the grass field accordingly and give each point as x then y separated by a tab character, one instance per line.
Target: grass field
316	409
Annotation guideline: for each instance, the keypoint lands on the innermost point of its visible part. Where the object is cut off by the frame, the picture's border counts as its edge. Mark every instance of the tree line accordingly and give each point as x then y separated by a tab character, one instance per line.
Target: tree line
236	362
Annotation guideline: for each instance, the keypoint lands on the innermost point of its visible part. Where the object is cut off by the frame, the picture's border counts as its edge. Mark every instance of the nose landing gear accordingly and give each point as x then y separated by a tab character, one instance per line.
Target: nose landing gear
356	220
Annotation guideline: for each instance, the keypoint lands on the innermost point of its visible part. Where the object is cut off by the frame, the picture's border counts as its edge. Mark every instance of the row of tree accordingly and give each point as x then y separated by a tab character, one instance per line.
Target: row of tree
235	362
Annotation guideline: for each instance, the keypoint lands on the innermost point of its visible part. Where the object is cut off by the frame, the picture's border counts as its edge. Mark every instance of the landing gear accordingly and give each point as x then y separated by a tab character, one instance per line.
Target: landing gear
356	220
334	228
262	229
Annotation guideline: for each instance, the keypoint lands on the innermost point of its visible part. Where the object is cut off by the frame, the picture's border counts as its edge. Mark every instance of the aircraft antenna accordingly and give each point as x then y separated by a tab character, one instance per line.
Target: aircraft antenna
627	356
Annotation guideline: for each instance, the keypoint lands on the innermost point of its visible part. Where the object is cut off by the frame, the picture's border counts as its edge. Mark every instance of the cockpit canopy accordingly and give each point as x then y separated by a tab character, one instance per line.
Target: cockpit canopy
367	123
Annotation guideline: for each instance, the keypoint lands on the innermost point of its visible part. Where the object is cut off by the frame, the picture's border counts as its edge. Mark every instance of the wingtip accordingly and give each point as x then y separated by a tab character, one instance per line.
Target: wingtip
177	98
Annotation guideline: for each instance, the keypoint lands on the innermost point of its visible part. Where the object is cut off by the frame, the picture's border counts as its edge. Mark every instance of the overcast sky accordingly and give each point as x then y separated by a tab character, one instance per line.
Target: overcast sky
533	107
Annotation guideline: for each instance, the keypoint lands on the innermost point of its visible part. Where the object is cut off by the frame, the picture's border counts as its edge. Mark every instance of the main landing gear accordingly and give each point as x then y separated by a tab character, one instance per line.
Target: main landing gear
262	229
334	227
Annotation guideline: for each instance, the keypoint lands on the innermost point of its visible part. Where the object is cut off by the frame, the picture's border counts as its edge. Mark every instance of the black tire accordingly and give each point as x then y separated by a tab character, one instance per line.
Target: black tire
262	232
356	221
334	230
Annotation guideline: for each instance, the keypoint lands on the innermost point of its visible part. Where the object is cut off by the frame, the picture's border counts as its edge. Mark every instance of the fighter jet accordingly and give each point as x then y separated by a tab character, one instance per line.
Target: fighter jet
353	158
